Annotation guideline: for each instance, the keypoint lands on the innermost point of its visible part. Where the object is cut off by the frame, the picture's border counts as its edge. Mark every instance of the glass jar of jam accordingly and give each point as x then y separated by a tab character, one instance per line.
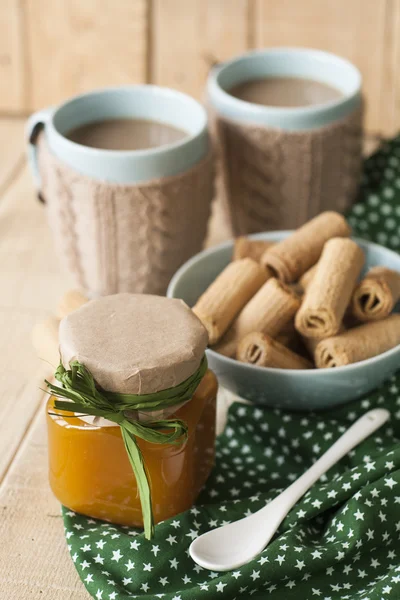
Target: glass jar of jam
133	344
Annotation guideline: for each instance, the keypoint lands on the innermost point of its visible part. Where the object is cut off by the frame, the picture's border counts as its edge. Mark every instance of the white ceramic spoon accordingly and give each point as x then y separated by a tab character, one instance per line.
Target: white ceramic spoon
231	546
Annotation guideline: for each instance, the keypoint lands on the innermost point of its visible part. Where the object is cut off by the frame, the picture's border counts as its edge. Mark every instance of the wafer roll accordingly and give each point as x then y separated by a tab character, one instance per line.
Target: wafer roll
305	279
272	307
292	257
227	295
312	343
328	295
376	295
260	349
360	343
247	248
45	341
70	302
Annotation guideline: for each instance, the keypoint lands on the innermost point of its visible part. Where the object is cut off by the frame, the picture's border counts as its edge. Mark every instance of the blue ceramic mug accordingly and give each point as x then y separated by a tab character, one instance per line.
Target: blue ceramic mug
283	165
124	220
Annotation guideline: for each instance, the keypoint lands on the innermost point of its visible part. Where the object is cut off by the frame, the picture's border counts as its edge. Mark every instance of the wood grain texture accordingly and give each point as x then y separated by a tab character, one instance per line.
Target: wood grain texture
187	36
75	46
30	277
52	50
31	284
12	151
355	30
34	559
12	68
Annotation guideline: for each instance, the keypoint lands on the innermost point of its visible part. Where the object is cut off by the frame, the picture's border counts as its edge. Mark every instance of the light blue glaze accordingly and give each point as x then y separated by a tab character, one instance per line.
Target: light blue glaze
291	389
285	62
121	166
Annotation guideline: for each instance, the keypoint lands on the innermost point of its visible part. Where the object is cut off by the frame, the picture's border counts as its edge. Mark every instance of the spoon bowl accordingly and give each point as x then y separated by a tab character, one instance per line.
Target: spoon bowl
224	548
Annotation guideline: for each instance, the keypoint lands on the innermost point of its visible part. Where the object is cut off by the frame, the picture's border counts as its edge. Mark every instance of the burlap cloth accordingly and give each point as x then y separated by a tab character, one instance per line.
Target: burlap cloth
125	238
276	179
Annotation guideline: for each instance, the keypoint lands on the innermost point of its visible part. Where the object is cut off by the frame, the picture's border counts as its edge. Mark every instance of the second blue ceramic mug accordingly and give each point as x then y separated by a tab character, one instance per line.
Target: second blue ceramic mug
282	165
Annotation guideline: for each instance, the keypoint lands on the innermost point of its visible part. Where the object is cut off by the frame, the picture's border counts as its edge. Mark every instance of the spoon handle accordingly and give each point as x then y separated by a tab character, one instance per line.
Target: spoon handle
361	429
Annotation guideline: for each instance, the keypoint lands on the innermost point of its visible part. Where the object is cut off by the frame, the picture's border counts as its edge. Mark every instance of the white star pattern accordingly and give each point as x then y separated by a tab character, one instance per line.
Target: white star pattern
134	545
390	482
175	524
116	555
171	539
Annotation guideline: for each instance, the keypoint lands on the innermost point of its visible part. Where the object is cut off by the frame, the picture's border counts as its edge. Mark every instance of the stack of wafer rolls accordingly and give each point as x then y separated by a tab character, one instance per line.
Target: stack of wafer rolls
301	303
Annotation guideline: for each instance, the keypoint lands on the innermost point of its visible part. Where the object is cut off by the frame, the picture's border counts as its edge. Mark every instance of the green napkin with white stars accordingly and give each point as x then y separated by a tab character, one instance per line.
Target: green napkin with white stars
341	540
376	217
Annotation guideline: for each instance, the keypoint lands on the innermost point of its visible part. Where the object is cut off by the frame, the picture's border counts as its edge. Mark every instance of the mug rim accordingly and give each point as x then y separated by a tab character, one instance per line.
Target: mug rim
139	153
238	109
124	167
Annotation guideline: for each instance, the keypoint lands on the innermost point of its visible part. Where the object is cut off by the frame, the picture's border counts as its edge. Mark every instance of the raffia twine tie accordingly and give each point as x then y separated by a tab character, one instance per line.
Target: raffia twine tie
83	397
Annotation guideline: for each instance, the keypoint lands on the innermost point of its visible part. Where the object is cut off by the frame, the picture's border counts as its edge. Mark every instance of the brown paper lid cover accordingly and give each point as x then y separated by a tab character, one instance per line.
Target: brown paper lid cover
134	343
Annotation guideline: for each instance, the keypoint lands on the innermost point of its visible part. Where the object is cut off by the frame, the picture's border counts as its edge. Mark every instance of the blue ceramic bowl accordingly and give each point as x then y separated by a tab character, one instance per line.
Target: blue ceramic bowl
286	388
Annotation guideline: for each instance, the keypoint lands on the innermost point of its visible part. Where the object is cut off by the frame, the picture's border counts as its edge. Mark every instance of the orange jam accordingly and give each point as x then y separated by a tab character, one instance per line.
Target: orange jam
90	471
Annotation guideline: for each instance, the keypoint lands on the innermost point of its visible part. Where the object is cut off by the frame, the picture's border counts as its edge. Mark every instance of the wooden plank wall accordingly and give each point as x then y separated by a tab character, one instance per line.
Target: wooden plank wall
51	50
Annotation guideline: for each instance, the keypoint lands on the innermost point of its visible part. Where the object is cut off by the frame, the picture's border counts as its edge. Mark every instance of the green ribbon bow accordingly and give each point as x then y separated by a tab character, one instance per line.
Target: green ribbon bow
79	387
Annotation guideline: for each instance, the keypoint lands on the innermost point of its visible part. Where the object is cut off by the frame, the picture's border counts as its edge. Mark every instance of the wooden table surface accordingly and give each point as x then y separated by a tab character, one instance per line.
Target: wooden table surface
34	559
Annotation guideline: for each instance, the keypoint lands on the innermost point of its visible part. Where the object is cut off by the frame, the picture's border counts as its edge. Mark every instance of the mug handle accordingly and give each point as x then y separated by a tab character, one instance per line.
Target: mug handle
34	126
